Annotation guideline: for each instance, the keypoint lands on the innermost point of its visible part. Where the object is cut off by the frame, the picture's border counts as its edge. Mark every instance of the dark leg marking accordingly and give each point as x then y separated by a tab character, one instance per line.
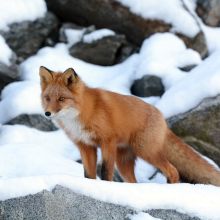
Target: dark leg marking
168	180
104	171
86	175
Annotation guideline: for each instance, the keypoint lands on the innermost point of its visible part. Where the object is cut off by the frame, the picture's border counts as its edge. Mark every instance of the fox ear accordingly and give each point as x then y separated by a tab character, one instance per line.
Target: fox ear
70	78
46	76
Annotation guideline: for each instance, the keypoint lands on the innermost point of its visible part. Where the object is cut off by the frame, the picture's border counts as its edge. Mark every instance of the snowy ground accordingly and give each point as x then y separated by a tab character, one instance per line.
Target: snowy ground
32	160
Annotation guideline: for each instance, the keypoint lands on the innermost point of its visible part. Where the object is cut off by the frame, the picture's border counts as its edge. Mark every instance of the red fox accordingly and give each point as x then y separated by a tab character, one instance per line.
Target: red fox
123	126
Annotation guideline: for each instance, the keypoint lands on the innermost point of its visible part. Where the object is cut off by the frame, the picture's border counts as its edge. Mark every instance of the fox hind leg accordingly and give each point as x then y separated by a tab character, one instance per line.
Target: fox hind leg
125	161
152	151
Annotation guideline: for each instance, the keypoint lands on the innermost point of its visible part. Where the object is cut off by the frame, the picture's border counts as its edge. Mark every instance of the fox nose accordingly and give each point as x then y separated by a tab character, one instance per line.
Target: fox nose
47	113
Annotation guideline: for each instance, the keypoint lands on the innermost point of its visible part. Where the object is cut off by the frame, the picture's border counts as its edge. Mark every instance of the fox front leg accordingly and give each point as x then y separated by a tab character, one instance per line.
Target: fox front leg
108	160
89	160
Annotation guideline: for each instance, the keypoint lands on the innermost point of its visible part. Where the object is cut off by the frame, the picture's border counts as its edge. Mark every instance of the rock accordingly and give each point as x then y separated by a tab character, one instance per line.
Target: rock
188	68
112	15
62	203
209	11
148	86
26	38
101	52
34	121
169	214
9	73
200	127
197	43
126	50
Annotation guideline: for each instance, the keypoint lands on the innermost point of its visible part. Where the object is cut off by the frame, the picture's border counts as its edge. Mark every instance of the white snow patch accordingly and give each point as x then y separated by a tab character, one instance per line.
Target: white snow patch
202	82
162	54
170	11
97	35
141	216
74	36
25	159
20	10
20	98
5	52
55	141
212	37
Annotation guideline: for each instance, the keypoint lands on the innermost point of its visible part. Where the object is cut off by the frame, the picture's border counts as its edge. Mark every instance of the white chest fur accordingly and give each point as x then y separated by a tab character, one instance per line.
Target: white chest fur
73	127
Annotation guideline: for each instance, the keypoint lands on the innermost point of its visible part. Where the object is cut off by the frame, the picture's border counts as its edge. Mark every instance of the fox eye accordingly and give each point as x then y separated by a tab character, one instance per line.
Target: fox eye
48	98
61	99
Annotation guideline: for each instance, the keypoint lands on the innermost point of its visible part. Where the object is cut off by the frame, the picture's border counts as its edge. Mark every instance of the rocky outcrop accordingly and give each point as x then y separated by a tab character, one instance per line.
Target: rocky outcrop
200	128
26	38
209	11
111	14
63	203
34	121
101	52
187	68
9	73
169	214
148	86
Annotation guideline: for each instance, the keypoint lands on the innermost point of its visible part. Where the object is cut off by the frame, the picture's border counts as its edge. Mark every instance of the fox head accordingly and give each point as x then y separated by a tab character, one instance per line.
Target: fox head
60	92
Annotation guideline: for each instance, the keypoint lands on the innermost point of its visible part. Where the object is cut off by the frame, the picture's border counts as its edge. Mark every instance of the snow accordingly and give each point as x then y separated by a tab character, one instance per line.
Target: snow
20	98
141	216
162	55
20	10
202	82
33	160
212	37
55	141
74	36
5	52
97	35
169	11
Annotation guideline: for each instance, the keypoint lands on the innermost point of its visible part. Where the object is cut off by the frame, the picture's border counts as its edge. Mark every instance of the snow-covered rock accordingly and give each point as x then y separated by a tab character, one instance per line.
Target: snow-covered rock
27	37
137	20
199	127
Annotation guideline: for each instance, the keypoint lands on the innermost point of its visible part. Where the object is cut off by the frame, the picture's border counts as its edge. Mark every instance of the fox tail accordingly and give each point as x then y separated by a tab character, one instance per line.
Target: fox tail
192	167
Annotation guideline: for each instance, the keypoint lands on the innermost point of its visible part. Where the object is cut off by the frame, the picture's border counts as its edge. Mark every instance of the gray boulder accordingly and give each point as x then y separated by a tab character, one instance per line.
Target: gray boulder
188	68
209	11
169	214
112	15
148	86
34	121
200	127
9	73
26	38
63	203
101	52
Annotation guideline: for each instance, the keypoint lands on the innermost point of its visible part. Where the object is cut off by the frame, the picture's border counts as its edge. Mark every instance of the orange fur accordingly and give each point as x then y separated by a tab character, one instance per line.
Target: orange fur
124	127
